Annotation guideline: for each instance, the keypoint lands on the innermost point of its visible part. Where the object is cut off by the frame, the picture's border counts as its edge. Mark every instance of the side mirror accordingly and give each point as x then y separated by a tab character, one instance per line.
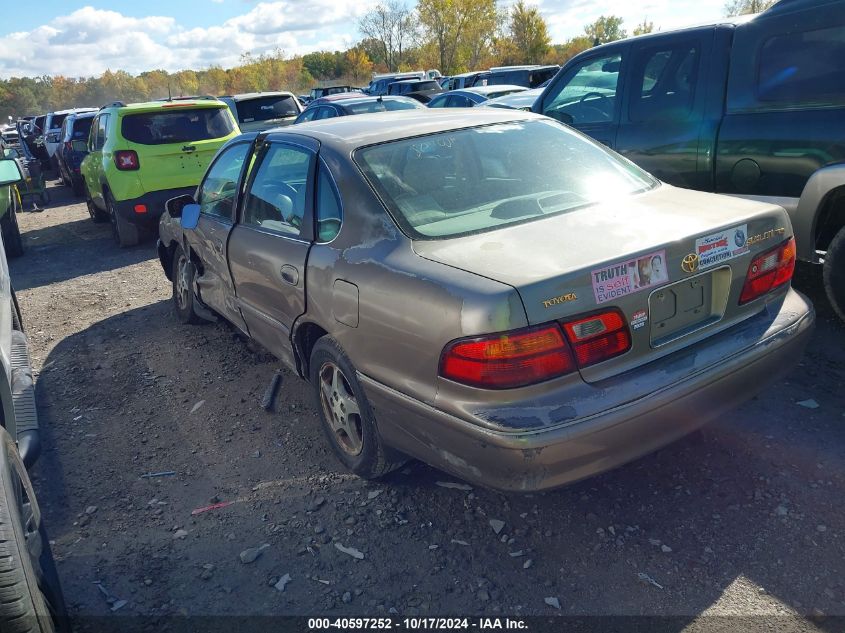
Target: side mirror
10	172
190	216
79	146
176	205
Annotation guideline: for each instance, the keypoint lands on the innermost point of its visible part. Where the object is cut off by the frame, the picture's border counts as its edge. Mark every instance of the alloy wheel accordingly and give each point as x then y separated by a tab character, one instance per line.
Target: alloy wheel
340	409
183	282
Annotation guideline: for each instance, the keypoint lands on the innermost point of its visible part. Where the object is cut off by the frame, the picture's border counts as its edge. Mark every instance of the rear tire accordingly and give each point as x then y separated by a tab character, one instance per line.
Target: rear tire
353	436
124	233
833	273
183	274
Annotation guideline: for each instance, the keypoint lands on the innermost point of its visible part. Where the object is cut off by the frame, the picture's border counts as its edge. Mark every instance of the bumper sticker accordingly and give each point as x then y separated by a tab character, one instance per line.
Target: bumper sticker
618	280
720	247
638	319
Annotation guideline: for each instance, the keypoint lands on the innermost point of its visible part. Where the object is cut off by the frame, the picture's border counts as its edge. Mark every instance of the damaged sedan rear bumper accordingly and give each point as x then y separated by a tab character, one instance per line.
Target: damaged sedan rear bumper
752	355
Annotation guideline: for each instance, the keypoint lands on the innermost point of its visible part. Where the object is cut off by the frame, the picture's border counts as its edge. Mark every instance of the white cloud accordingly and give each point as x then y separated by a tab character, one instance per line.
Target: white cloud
89	41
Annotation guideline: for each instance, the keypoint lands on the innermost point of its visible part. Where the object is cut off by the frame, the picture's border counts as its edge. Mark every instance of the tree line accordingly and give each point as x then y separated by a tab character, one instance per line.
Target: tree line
450	35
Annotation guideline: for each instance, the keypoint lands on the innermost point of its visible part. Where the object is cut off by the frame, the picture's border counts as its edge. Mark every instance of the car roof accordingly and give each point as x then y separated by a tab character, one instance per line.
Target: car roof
368	99
348	133
244	96
485	90
521	98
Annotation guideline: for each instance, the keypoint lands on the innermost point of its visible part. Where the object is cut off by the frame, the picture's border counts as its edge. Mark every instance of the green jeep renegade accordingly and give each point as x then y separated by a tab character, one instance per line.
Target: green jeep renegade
143	154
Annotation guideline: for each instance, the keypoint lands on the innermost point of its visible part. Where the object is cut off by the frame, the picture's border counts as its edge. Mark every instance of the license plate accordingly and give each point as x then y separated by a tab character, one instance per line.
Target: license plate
689	305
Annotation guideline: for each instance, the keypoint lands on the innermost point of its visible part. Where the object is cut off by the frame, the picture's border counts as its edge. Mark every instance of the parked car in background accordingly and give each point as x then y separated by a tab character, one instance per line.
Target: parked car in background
73	148
255	111
461	81
12	175
144	153
31	598
753	108
378	85
325	91
546	300
53	130
346	105
528	76
516	100
470	97
420	89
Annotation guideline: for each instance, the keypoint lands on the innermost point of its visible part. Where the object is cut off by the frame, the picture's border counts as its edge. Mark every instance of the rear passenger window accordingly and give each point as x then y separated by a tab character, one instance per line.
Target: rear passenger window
663	83
802	68
276	198
328	208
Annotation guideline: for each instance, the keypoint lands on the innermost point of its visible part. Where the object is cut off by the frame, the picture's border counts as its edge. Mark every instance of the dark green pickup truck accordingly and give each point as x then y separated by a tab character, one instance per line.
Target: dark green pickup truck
754	107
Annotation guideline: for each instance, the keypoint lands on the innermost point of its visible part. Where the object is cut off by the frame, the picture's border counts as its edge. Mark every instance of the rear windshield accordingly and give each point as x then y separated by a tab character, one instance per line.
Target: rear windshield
386	105
266	108
81	128
176	126
478	179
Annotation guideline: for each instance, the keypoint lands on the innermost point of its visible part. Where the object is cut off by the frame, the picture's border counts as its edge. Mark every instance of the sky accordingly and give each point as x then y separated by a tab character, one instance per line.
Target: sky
80	39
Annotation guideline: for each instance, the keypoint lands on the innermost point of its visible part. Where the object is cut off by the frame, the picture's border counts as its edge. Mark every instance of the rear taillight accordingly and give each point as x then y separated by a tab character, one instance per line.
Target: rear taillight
508	360
598	337
126	160
532	355
768	271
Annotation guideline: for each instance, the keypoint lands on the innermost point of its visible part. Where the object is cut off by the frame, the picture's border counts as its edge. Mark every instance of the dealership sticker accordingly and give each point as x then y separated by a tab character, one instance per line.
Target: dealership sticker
638	319
722	246
633	275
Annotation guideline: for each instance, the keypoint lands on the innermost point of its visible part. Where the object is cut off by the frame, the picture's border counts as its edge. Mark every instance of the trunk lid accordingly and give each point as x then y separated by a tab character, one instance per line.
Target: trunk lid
672	261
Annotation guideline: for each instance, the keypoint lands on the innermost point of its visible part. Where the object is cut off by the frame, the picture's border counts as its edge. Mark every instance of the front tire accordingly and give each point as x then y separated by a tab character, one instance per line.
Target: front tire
125	234
345	413
25	597
833	273
96	214
183	274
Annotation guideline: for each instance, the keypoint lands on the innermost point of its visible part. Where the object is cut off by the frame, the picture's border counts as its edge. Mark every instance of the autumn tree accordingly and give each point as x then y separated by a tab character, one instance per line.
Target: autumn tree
562	53
528	33
453	27
644	27
605	29
359	64
390	26
744	7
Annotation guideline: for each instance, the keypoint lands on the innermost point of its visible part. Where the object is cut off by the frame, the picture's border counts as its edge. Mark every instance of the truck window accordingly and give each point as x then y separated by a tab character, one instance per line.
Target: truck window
663	83
803	67
587	94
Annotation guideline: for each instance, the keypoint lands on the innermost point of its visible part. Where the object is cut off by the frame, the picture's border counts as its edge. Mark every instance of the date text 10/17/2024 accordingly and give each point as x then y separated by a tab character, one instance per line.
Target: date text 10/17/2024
416	624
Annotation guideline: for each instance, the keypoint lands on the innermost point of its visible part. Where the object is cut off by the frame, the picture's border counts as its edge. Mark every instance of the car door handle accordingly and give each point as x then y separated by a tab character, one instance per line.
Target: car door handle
290	275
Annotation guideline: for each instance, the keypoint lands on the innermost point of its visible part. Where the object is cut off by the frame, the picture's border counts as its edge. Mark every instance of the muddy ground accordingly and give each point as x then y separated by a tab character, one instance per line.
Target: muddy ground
744	518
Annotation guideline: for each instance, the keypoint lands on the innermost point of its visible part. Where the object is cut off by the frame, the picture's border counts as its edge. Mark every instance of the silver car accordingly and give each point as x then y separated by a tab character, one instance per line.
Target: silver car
488	291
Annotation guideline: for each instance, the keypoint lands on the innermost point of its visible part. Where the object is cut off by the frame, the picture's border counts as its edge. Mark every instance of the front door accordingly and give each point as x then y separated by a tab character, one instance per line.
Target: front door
269	246
216	197
587	95
662	118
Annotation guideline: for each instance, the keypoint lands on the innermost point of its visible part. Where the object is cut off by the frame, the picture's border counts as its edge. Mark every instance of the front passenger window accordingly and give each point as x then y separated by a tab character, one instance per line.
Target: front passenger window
276	198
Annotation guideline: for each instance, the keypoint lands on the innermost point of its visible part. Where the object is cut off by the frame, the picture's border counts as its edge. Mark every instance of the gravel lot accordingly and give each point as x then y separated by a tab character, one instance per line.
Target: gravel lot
744	518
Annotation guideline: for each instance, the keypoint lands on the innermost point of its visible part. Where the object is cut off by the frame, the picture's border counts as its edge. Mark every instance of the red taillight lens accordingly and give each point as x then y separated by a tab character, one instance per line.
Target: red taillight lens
768	271
598	337
126	160
505	361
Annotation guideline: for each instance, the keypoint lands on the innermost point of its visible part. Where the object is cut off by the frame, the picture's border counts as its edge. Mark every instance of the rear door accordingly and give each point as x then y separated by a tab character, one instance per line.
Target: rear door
92	167
216	196
269	246
586	95
176	142
662	117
